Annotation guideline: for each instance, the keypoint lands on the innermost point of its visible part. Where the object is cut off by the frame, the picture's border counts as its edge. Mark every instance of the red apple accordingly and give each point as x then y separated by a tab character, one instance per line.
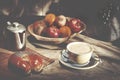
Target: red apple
52	32
24	67
17	63
60	20
25	63
38	27
36	62
75	25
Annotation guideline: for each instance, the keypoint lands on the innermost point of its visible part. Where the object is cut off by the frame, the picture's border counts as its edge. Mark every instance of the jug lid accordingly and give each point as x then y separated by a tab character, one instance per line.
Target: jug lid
15	27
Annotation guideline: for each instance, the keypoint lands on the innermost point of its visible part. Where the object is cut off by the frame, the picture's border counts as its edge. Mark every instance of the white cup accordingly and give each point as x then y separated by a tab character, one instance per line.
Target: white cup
79	52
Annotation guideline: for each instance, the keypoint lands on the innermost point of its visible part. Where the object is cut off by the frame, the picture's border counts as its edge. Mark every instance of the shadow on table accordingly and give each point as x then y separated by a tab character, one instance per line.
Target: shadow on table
46	45
110	60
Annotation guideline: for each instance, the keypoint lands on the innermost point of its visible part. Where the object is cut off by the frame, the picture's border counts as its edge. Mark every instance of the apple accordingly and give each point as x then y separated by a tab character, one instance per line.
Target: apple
65	31
50	18
60	20
25	63
24	67
36	62
18	64
38	27
52	32
75	25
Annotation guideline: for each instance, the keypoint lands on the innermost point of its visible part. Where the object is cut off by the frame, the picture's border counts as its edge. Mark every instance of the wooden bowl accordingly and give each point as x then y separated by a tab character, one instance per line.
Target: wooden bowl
53	40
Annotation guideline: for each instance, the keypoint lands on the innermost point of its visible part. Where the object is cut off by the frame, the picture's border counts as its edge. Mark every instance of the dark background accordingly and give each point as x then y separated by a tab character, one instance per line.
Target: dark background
89	11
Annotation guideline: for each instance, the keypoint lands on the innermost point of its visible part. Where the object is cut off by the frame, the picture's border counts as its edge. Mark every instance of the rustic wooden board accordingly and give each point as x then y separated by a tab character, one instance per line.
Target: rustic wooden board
6	71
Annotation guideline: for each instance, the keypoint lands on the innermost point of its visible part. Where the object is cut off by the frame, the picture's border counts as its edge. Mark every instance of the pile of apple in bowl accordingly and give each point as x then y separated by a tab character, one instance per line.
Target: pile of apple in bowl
56	29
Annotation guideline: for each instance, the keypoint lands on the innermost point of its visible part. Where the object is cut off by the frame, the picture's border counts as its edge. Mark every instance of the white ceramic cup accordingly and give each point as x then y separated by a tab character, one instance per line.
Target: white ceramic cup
79	52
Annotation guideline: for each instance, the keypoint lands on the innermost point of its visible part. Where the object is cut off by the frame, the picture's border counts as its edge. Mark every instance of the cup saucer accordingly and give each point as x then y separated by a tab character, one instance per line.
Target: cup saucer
94	61
67	60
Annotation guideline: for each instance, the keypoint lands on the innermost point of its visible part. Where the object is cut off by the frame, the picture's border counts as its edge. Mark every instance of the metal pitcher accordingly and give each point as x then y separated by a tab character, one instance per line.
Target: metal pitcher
15	36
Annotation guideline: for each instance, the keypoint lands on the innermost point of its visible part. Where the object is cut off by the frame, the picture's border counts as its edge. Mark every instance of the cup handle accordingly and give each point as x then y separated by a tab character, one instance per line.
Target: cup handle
67	58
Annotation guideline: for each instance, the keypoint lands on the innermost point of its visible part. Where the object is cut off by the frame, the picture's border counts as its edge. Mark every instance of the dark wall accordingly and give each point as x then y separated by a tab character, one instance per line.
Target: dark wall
94	13
89	11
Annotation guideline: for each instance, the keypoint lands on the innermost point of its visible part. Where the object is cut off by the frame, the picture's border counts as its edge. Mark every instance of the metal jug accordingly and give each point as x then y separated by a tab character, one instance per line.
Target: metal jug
15	36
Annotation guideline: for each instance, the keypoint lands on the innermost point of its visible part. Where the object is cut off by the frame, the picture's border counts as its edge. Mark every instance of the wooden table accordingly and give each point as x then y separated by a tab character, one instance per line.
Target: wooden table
109	69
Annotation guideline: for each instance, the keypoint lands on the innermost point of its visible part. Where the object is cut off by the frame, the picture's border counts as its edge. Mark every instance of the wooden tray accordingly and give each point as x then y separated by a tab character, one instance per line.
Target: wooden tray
6	73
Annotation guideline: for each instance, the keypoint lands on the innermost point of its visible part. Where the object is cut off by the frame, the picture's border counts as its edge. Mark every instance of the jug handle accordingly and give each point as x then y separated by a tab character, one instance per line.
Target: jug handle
20	43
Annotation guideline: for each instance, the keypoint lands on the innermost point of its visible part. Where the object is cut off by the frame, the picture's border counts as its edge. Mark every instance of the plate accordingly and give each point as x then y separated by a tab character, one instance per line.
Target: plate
94	61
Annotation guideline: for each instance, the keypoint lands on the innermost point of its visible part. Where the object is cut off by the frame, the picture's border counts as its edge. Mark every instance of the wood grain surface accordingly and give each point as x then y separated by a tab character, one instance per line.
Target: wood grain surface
7	73
109	69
